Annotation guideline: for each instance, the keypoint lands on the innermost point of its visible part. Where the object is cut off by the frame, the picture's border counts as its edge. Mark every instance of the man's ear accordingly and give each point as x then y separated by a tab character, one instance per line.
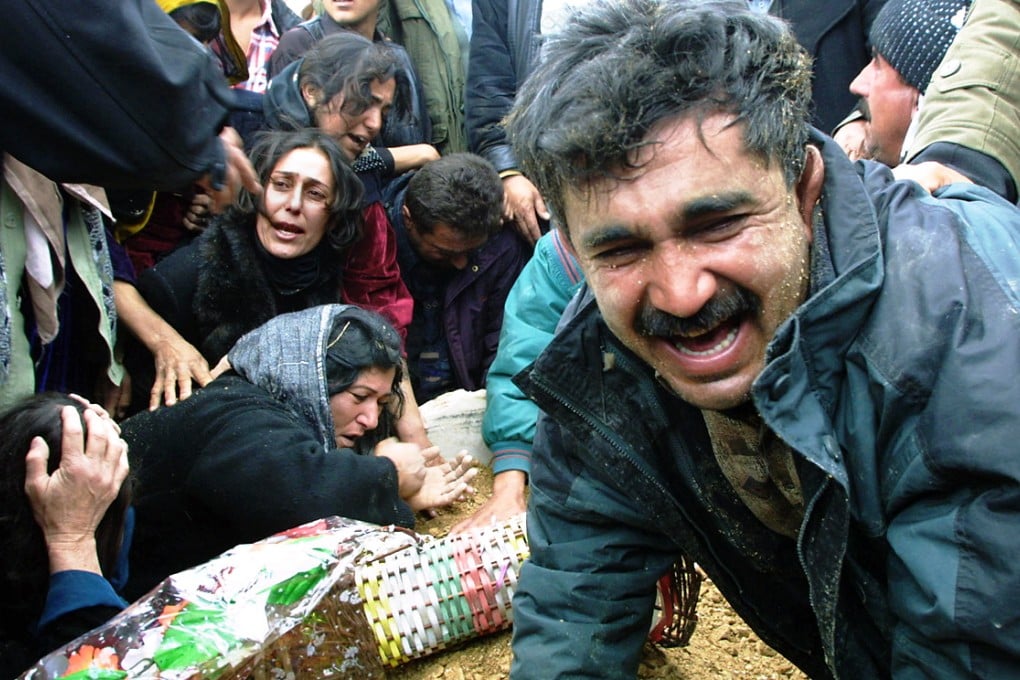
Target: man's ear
809	186
406	213
310	93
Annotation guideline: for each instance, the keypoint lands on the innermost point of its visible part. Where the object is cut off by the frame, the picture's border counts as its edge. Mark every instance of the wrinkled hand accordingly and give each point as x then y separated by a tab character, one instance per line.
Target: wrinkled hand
199	212
409	459
445	484
523	205
853	137
930	175
97	409
69	504
239	172
507	500
178	364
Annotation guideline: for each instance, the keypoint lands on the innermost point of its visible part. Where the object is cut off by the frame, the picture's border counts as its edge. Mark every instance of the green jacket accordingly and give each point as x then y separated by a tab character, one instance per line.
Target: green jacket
429	34
75	232
974	97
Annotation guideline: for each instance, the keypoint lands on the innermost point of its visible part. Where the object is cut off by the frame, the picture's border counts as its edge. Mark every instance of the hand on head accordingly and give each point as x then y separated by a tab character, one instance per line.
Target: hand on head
69	503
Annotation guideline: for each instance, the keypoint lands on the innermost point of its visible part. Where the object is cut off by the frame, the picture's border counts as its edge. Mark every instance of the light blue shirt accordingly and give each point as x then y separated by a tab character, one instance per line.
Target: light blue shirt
460	10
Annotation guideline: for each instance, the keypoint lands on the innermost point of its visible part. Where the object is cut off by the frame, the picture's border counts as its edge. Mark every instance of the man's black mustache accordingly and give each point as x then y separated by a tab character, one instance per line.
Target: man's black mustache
740	301
862	106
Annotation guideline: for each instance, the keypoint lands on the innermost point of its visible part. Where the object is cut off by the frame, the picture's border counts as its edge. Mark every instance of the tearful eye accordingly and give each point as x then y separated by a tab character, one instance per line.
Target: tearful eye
620	254
317	195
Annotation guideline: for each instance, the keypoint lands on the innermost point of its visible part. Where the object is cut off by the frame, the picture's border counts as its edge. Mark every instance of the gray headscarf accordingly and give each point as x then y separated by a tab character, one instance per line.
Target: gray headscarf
286	357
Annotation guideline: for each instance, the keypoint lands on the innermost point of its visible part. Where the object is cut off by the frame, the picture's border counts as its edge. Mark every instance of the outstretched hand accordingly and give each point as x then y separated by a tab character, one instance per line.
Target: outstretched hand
69	503
178	366
507	500
445	483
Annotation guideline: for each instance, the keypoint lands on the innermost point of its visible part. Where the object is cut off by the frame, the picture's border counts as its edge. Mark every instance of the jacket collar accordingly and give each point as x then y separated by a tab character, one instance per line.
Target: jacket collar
798	390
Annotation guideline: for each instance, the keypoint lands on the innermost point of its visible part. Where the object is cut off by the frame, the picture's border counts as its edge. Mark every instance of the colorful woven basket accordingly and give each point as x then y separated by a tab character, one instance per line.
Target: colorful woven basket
439	592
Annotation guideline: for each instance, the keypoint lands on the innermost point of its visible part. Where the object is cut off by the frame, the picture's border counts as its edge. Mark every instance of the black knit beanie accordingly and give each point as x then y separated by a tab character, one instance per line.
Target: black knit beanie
913	35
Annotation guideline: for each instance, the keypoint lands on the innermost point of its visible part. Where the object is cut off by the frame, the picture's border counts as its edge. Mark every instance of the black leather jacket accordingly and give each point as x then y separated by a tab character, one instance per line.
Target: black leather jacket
129	101
503	47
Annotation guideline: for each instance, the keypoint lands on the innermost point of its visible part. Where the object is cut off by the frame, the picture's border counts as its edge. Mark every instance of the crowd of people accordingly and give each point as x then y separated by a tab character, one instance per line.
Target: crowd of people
739	279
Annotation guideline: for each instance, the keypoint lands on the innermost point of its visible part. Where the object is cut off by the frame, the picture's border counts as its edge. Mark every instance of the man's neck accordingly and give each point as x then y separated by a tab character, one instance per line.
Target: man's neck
366	27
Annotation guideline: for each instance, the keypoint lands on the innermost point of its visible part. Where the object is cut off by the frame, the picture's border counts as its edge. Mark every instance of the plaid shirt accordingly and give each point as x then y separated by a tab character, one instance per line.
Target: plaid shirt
264	39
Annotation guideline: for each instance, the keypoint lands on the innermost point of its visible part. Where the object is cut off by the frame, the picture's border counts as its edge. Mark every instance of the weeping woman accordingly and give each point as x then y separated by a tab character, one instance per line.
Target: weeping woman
296	430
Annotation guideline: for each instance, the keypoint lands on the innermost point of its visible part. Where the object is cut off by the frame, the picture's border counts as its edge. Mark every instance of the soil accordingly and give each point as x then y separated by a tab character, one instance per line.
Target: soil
722	645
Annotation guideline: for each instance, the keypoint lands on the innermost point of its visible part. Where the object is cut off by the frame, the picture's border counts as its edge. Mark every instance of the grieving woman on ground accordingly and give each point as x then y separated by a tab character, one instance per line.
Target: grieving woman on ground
296	430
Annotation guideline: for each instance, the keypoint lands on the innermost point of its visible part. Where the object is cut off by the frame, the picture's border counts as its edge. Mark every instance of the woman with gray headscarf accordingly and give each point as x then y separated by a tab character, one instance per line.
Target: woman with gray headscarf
296	430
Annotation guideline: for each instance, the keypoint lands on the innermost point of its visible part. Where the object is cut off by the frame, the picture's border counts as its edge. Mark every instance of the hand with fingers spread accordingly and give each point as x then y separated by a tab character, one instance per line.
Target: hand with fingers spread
178	366
445	484
69	503
100	411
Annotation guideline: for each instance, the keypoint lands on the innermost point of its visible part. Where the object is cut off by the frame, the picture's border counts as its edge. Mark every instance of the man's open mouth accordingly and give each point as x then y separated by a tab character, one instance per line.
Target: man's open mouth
712	341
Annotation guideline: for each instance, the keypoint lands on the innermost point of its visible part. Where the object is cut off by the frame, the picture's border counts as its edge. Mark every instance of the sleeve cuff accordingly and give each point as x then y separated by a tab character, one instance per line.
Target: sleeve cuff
387	158
511	456
72	590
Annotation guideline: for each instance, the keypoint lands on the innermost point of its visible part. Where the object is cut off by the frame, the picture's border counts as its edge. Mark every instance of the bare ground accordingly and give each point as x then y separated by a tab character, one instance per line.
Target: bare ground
722	645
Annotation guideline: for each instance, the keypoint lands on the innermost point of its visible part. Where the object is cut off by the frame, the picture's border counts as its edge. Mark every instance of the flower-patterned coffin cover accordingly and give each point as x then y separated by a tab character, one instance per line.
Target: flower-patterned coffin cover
335	598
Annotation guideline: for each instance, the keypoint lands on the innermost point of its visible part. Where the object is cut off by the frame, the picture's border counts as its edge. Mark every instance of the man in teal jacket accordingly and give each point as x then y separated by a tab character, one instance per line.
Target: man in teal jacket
795	370
533	309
